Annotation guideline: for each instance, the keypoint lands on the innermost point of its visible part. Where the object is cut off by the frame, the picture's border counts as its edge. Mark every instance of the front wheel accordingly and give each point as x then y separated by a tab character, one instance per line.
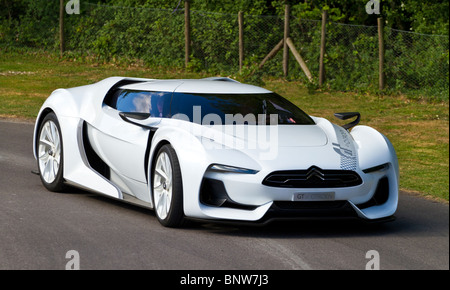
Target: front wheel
167	188
50	153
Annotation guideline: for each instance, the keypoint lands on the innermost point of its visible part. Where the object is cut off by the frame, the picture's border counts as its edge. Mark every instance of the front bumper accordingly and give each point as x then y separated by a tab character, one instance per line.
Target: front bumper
243	197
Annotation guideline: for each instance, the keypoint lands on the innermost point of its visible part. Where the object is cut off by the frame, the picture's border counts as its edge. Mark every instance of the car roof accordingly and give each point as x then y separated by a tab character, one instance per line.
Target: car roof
201	86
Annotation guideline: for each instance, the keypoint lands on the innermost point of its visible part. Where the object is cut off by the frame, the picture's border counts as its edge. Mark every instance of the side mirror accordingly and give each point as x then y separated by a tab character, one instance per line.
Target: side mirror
348	115
135	117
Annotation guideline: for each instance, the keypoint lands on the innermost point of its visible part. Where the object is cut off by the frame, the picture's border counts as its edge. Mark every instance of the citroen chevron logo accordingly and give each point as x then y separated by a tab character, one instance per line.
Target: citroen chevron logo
315	173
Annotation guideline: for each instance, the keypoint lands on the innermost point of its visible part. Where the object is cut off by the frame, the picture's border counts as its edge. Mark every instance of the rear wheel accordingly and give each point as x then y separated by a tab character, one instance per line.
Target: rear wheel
50	153
167	188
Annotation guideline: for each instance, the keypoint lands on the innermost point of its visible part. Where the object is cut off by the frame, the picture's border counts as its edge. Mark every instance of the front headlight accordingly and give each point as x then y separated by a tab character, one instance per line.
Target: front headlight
231	169
379	168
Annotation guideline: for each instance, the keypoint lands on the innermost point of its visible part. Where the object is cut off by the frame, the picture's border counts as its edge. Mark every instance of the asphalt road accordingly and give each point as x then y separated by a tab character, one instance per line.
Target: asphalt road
39	228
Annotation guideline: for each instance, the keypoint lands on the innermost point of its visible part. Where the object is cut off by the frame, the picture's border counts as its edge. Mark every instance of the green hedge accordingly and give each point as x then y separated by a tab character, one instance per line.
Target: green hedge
416	64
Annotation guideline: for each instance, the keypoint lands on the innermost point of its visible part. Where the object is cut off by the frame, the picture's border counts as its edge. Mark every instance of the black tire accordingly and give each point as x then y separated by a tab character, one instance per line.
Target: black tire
56	182
173	216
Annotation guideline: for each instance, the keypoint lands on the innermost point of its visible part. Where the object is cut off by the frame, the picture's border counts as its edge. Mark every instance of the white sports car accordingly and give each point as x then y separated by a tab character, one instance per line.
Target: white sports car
212	149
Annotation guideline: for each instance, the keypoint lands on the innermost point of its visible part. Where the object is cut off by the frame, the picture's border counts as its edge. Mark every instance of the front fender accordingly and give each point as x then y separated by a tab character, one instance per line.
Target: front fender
373	148
192	159
59	102
195	153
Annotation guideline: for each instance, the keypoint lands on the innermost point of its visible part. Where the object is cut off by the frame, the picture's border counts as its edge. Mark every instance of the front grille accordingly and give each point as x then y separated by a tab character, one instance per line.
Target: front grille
314	177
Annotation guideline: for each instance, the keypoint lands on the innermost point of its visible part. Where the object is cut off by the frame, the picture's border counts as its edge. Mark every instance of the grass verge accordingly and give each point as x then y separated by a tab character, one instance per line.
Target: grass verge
419	130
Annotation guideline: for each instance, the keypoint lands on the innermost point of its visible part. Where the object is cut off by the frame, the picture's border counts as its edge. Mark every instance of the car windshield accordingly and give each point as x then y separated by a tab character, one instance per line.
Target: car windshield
238	109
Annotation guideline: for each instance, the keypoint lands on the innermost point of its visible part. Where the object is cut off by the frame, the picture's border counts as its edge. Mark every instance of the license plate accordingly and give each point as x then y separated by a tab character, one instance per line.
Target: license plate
313	196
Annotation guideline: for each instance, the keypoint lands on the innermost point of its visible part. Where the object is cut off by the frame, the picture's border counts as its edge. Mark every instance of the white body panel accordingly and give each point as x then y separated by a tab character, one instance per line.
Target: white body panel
128	151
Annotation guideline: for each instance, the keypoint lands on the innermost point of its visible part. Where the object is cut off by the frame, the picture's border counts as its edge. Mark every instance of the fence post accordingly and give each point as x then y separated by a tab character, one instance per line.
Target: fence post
187	32
241	40
381	53
299	59
272	53
61	27
322	48
287	12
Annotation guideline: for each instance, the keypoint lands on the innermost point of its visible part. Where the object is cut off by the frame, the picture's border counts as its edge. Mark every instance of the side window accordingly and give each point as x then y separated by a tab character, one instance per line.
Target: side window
155	103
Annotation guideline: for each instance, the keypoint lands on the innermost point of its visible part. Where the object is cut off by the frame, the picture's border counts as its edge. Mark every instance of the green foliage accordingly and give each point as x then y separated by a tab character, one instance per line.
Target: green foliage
250	74
152	32
28	23
418	65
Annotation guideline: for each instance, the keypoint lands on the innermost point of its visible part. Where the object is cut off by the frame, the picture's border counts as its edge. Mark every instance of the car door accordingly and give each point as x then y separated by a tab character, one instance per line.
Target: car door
121	144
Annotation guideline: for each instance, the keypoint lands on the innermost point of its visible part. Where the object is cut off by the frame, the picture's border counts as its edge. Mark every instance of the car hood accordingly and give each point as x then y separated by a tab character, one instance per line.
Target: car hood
324	144
280	135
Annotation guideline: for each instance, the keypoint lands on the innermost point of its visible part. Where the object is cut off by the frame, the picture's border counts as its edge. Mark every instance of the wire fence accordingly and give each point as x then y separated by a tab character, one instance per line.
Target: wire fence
415	64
